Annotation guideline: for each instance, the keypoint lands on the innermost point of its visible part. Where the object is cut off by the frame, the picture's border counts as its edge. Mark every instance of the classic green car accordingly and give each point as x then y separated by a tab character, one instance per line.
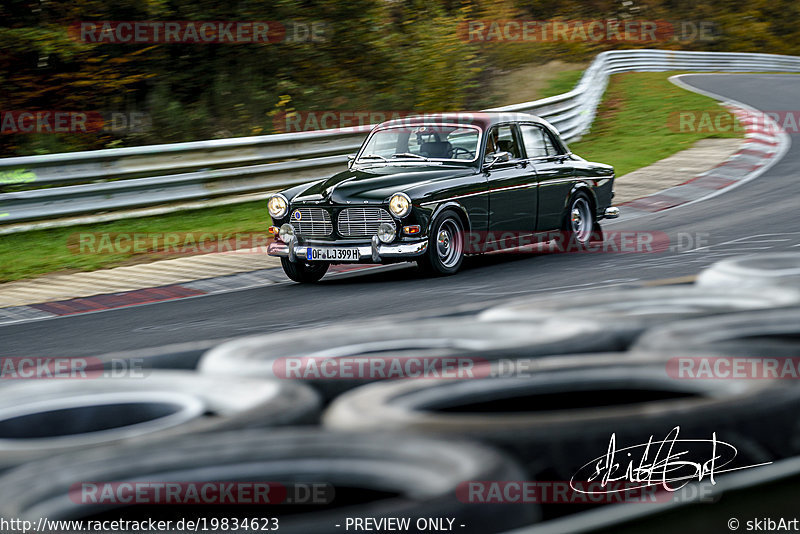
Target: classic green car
422	188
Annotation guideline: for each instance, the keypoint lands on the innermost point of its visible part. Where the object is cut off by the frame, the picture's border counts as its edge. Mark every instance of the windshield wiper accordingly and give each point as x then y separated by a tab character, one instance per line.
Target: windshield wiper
409	155
373	156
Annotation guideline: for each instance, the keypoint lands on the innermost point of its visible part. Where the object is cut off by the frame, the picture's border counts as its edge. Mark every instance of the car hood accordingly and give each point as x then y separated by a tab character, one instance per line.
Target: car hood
376	184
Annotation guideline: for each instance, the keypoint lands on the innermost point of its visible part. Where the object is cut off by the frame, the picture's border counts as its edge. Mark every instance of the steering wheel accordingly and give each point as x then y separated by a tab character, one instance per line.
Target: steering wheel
461	150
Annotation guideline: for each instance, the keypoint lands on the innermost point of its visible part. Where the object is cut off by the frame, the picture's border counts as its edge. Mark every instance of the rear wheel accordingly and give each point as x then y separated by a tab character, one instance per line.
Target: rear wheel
304	272
445	252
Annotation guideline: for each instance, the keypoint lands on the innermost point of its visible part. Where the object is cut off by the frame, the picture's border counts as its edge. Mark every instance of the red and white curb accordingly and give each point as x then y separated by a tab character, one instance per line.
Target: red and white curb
138	297
765	144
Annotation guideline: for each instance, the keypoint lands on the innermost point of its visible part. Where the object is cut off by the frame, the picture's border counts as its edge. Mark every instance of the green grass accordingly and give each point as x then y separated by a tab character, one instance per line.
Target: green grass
631	128
29	254
562	82
631	131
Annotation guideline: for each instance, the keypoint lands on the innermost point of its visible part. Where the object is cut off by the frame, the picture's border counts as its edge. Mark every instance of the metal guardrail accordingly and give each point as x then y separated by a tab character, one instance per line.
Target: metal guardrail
134	177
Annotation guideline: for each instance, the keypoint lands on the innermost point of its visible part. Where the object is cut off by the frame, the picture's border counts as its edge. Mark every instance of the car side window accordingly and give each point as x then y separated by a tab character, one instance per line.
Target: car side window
535	141
502	139
550	145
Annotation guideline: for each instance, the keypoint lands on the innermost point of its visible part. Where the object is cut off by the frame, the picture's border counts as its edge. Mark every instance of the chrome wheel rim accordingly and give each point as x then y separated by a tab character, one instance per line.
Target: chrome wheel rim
449	243
581	219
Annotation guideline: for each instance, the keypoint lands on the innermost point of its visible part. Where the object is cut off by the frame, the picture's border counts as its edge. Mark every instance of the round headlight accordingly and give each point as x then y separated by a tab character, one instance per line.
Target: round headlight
399	205
386	232
278	206
286	232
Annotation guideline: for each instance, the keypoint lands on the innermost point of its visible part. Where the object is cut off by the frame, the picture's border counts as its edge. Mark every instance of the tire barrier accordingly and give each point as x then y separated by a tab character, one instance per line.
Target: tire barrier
301	353
777	269
40	418
628	312
372	475
766	334
181	356
757	495
547	389
555	419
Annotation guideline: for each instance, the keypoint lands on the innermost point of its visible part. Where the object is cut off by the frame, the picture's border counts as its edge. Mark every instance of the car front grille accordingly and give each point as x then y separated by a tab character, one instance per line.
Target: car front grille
362	222
312	222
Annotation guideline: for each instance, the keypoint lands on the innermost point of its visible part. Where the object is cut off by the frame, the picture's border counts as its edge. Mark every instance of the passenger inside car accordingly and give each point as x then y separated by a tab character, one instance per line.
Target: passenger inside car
501	139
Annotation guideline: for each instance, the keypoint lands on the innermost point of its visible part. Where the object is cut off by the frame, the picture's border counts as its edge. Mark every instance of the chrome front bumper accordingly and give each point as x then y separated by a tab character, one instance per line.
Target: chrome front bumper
373	252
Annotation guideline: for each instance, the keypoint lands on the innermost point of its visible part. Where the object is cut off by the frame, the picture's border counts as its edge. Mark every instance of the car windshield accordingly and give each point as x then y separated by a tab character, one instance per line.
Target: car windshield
422	143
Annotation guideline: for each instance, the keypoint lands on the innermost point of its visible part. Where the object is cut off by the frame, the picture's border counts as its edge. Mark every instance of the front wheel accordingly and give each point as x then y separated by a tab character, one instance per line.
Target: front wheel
579	221
445	252
304	272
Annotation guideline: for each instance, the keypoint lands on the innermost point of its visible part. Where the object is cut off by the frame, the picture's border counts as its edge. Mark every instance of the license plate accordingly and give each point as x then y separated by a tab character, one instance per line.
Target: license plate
331	254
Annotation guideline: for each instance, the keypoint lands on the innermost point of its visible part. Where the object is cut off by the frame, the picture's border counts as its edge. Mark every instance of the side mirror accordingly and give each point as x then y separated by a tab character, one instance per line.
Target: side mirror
490	160
350	159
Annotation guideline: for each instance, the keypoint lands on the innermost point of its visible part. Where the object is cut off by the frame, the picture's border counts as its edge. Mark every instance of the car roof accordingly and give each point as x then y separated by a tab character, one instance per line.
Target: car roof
482	119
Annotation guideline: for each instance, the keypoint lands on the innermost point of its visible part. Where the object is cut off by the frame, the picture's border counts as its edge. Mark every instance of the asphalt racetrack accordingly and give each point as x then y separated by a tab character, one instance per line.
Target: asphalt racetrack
761	215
